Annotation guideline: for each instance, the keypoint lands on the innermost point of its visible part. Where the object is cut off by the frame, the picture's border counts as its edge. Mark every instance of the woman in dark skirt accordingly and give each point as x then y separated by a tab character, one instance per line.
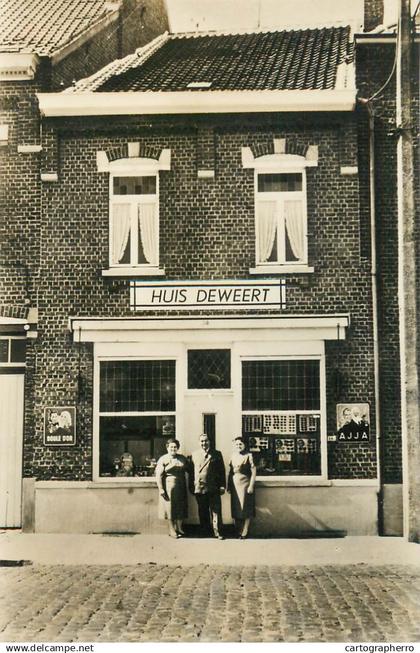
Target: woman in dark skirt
241	482
170	475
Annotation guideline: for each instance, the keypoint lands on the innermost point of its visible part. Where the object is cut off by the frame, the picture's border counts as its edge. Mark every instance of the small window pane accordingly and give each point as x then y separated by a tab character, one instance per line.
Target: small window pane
137	386
280	385
143	438
279	183
18	351
135	185
208	368
4	351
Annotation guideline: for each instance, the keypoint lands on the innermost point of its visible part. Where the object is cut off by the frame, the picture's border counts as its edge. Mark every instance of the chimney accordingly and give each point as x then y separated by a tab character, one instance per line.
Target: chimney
374	14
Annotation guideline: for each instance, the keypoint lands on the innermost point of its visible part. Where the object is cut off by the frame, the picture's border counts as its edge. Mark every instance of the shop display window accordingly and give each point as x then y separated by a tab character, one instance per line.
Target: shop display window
137	415
208	368
281	416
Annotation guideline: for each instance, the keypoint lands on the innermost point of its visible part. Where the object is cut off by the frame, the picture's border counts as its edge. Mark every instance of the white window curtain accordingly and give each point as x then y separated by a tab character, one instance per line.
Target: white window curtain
267	224
293	216
120	230
148	231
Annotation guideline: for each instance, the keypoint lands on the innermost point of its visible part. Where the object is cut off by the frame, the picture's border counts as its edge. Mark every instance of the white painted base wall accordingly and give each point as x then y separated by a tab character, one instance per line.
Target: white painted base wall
281	511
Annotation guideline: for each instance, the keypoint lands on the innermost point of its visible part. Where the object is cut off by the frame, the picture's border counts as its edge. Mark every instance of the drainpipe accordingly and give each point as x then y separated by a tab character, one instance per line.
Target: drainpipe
374	287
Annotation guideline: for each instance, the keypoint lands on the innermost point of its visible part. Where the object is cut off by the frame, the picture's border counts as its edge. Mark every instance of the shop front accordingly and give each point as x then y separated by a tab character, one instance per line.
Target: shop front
262	377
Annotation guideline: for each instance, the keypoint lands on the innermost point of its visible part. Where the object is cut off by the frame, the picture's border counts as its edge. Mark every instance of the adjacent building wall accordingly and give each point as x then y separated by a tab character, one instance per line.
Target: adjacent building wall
370	78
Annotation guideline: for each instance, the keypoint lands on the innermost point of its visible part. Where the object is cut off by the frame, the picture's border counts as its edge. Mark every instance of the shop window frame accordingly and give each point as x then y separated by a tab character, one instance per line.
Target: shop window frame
304	479
98	414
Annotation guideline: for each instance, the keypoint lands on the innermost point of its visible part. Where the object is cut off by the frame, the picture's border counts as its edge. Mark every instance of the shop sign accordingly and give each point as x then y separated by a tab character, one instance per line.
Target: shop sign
60	426
196	295
353	423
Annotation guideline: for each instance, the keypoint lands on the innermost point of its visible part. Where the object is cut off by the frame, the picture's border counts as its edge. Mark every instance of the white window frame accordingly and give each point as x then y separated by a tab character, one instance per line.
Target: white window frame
98	414
133	167
280	197
134	201
279	163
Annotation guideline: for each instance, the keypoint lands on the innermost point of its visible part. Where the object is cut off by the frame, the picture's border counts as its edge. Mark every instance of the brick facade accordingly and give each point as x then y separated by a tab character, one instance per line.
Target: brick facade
55	237
206	232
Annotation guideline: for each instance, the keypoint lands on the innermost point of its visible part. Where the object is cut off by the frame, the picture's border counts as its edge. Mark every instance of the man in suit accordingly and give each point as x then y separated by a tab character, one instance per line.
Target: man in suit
207	483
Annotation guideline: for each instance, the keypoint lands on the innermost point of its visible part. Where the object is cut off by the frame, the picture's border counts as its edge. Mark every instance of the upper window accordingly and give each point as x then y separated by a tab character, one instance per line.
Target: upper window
134	220
281	220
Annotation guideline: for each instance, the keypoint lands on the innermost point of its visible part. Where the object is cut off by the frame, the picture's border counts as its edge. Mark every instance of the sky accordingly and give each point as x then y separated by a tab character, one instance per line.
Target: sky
231	15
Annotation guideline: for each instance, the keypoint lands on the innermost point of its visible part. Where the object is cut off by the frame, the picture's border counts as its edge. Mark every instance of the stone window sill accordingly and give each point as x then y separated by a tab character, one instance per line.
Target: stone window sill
281	269
133	272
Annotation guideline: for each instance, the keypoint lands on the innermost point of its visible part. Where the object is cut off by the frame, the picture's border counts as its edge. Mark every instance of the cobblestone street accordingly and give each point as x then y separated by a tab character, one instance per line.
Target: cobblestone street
202	603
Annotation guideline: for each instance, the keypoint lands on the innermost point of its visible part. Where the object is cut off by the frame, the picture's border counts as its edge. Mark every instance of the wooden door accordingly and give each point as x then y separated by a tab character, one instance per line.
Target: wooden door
11	446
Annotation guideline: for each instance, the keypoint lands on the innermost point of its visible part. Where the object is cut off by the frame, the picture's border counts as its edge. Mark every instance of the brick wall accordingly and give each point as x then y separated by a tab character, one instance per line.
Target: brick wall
373	14
141	21
370	78
206	231
20	194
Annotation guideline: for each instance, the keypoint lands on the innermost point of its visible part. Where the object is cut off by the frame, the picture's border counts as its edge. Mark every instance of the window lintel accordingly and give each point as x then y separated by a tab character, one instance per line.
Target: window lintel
133	165
279	160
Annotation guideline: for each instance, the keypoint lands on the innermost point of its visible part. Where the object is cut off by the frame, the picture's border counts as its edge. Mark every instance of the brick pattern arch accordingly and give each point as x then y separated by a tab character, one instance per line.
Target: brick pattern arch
261	149
287	146
130	150
17	312
293	147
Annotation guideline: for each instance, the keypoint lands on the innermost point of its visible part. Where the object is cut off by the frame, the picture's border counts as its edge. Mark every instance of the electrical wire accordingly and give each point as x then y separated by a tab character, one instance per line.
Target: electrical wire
391	74
383	87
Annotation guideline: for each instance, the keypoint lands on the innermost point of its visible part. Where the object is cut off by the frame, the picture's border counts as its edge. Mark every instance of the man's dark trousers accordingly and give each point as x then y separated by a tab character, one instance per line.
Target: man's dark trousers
210	513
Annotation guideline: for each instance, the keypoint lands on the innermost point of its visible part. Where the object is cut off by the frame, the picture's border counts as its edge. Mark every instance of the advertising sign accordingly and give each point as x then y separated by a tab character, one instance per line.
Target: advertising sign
353	423
60	426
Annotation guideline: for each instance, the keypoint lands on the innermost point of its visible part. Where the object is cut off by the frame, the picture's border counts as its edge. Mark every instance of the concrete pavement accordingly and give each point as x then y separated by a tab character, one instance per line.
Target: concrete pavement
113	549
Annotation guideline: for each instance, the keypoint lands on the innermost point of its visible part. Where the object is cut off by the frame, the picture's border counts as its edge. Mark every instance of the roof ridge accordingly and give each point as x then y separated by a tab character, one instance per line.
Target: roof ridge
263	30
119	65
